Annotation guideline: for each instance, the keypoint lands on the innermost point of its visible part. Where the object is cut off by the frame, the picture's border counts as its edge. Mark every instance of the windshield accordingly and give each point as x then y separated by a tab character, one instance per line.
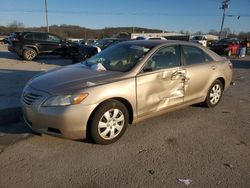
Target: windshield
197	38
103	43
121	57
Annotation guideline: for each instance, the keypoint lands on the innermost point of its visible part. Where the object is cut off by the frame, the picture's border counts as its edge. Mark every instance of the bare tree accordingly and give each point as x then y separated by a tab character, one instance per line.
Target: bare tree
15	25
213	32
198	33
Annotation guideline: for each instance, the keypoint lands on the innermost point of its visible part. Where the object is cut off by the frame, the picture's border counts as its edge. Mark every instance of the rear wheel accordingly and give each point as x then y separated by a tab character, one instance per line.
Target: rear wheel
29	54
214	94
109	122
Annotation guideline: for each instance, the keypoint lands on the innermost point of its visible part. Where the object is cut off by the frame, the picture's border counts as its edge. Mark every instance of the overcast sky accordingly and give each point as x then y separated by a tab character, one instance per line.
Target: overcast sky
169	15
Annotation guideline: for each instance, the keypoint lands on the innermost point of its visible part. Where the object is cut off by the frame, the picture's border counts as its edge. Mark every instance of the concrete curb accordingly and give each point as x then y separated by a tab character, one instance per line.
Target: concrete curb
10	115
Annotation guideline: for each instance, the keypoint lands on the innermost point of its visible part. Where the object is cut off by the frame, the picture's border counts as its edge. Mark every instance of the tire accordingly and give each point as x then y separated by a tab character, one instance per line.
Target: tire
214	94
21	56
29	54
109	122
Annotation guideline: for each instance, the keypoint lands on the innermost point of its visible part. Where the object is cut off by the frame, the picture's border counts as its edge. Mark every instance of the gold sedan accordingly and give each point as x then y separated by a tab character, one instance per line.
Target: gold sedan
124	84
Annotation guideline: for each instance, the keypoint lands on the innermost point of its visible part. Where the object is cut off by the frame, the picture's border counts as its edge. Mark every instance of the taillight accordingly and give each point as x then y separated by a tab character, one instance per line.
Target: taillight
15	39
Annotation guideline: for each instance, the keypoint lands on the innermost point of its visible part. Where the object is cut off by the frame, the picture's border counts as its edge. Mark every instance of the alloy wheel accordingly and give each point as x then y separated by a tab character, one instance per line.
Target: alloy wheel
215	94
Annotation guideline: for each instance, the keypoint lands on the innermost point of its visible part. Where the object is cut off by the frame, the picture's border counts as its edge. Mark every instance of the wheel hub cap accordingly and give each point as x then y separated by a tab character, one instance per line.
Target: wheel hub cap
111	124
215	94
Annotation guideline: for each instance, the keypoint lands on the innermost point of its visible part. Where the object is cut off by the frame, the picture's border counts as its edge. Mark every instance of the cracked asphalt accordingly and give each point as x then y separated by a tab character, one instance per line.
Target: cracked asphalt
211	147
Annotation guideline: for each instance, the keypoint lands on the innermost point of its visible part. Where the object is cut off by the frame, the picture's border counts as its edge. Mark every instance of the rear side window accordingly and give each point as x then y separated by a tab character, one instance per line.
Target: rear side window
29	36
53	38
194	55
35	36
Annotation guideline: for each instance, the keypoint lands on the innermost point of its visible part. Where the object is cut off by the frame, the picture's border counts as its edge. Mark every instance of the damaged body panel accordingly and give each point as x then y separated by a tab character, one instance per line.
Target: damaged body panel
156	91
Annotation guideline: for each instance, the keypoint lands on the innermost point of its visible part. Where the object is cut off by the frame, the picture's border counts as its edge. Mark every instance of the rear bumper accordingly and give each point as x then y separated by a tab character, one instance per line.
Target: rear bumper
11	48
15	50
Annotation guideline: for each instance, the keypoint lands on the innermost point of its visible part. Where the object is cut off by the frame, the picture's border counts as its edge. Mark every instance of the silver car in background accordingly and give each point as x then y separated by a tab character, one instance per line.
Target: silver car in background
123	84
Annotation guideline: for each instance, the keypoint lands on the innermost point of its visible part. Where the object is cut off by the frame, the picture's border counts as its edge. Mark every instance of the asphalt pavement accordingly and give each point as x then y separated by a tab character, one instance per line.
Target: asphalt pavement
201	146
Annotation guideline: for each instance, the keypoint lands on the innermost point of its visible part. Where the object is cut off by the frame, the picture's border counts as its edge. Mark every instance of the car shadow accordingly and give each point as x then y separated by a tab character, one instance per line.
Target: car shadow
16	128
9	55
42	59
53	60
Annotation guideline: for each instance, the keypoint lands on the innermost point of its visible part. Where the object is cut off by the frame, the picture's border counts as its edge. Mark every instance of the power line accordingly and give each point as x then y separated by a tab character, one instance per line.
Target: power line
118	13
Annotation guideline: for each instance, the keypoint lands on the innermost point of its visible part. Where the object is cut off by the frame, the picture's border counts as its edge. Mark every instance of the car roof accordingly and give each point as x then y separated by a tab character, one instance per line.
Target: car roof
121	39
153	43
36	32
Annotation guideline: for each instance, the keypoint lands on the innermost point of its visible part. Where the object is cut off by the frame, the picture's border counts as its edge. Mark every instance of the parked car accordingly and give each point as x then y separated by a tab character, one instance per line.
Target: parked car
83	52
28	45
3	39
204	40
226	46
106	42
149	38
90	42
86	51
121	85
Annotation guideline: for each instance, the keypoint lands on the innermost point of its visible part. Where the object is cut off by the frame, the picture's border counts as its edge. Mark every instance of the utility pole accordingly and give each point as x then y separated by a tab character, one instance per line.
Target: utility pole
225	5
46	12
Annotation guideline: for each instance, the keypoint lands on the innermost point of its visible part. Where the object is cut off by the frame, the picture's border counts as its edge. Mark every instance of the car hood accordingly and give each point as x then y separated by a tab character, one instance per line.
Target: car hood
72	78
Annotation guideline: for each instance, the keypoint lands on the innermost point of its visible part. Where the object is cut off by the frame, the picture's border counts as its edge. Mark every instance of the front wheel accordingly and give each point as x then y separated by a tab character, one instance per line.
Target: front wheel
109	122
214	94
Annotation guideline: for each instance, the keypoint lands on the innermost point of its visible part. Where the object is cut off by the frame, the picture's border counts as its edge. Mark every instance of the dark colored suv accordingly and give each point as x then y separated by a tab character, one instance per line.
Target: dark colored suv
28	45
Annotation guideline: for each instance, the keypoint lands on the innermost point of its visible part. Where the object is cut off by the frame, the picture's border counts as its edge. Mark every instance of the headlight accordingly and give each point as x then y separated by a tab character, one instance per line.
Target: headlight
64	100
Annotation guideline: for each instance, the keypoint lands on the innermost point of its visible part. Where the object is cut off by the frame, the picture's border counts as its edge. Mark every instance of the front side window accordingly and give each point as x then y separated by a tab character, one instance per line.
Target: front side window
194	55
166	57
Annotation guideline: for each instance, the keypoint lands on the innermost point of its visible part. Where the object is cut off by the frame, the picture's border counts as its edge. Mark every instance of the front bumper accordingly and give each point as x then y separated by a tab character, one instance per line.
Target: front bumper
64	121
